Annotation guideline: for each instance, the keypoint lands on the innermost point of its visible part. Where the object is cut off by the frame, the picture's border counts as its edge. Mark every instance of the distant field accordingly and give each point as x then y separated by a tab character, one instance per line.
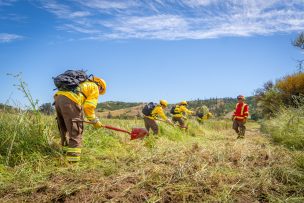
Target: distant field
126	112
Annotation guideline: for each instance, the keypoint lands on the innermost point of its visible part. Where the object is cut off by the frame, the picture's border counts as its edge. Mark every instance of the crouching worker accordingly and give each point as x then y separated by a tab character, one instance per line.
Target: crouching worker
179	113
151	112
201	117
77	94
203	114
240	116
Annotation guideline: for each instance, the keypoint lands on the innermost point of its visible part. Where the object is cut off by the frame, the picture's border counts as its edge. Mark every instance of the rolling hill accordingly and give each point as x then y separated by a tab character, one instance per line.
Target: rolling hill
220	107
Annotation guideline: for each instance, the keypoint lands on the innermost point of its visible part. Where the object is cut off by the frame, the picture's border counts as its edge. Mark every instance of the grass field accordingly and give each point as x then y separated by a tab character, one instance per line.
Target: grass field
207	163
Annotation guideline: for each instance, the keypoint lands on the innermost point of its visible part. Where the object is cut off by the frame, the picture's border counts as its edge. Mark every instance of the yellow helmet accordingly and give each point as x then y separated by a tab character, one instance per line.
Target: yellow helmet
184	103
163	103
101	83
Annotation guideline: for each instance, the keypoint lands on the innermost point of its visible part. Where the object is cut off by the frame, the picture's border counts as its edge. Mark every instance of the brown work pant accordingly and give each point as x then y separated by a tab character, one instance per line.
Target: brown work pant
151	124
71	132
180	121
239	127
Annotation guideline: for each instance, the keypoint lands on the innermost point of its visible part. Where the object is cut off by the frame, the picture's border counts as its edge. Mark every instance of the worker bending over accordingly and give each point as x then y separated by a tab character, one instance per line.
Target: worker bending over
152	112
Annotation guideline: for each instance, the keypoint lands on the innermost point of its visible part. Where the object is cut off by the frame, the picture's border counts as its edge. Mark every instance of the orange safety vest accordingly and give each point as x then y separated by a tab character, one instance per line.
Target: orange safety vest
241	111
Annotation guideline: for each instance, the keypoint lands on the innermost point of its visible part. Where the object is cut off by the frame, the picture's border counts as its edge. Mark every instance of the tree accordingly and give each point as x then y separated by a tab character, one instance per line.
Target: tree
299	41
47	108
300	66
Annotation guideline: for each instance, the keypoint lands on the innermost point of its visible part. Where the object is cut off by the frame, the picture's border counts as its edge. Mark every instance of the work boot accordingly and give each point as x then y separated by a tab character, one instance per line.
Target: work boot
239	135
242	133
73	155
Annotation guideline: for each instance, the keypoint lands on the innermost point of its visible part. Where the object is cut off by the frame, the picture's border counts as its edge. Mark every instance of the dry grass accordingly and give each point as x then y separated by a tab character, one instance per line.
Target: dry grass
205	164
128	112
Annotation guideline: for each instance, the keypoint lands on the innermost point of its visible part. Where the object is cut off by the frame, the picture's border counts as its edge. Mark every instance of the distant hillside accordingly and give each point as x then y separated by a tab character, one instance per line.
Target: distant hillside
8	108
221	106
218	106
130	112
115	105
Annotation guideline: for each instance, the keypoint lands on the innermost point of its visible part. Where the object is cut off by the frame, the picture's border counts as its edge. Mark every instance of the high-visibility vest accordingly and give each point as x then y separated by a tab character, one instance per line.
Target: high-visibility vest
241	111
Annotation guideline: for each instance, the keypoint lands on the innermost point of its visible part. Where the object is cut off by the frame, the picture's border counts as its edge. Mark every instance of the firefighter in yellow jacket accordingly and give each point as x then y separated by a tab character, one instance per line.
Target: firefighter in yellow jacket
179	113
203	117
70	106
151	112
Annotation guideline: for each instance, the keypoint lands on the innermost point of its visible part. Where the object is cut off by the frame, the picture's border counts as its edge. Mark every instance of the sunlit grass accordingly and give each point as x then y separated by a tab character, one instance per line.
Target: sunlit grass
205	163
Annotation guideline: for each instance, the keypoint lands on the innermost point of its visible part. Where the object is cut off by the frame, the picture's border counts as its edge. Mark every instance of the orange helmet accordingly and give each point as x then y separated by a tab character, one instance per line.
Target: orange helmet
101	83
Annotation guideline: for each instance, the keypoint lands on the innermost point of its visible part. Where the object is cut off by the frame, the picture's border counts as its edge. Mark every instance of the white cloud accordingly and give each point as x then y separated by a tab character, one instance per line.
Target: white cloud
197	3
148	23
7	2
6	37
180	19
79	14
108	4
63	11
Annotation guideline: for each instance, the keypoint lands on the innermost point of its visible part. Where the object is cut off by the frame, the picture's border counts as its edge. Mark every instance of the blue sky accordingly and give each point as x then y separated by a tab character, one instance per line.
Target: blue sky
147	50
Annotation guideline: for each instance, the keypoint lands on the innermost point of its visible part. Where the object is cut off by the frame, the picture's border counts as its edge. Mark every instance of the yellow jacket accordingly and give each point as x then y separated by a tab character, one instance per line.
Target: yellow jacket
205	117
157	112
87	97
180	110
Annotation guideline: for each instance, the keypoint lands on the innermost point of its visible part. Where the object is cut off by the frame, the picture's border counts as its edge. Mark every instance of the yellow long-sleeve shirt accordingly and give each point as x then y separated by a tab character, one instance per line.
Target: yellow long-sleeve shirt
157	112
87	97
180	110
204	117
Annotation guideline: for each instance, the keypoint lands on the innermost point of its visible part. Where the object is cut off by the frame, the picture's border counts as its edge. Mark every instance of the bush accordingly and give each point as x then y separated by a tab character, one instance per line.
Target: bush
47	109
267	100
292	85
272	97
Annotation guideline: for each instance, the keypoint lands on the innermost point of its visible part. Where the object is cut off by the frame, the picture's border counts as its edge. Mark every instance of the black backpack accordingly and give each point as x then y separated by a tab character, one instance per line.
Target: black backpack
172	111
148	108
70	79
200	115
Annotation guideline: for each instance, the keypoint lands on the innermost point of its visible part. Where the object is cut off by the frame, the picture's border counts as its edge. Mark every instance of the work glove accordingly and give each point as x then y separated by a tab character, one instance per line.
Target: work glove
97	123
245	120
232	118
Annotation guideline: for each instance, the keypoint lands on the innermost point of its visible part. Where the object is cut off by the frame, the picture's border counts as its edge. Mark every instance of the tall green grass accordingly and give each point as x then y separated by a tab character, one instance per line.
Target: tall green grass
23	136
287	127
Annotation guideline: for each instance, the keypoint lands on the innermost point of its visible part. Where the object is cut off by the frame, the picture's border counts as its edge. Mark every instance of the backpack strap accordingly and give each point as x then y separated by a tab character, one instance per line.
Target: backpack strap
83	94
